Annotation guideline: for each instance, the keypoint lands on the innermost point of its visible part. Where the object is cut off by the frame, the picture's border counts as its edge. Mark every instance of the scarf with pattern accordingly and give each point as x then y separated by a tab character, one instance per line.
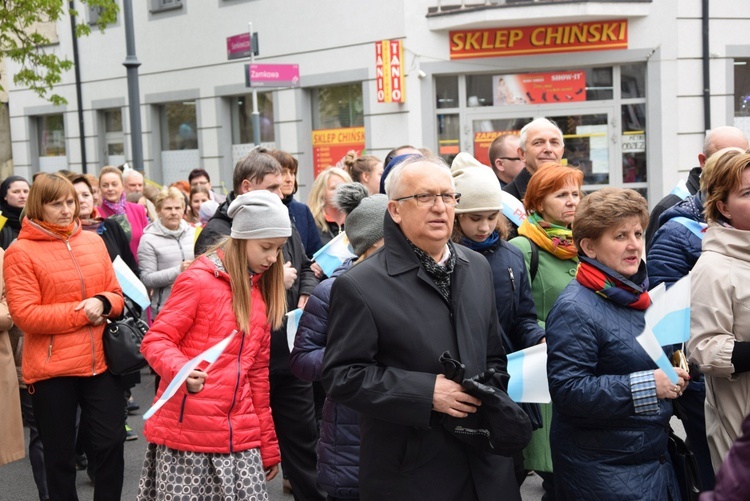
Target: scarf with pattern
609	284
557	240
441	275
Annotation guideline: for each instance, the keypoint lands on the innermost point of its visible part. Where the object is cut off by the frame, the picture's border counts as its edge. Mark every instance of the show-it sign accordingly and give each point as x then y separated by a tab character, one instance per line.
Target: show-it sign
272	75
544	39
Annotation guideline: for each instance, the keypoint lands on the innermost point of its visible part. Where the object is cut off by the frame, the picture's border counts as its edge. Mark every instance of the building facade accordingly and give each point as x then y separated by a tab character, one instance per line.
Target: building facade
623	80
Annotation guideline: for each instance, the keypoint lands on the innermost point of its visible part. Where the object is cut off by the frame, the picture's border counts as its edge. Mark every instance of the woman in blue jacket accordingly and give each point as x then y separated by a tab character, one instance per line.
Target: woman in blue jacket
338	448
611	405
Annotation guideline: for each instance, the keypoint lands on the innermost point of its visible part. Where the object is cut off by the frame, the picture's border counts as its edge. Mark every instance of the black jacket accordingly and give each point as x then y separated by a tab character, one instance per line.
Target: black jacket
388	326
517	187
219	226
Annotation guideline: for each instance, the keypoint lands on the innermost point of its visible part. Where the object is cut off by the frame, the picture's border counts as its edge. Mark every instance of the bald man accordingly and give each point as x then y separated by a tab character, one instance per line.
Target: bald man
716	139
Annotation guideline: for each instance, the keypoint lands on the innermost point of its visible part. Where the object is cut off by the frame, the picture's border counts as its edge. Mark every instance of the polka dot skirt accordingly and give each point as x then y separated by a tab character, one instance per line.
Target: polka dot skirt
170	475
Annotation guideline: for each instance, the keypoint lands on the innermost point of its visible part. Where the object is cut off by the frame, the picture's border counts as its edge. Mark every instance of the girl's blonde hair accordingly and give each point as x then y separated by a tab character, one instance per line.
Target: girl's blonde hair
271	284
317	199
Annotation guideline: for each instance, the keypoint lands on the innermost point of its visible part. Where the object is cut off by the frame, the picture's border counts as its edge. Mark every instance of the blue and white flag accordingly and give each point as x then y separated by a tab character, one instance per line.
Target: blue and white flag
333	254
292	324
667	323
513	209
669	314
528	375
210	356
129	283
681	190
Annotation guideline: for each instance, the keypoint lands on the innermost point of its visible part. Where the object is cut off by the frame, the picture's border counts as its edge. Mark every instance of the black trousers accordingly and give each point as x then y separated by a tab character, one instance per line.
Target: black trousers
101	399
36	450
294	418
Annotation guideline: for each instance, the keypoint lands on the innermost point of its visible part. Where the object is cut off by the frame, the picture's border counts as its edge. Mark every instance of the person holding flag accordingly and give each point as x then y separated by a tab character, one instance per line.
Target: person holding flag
611	405
217	432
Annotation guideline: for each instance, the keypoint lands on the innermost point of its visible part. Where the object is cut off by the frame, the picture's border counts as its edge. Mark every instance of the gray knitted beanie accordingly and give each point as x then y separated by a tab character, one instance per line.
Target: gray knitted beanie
479	188
259	214
365	215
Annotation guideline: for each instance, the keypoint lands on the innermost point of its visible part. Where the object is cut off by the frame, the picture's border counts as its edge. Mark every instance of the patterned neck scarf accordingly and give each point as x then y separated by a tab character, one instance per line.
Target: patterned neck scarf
557	240
62	232
115	207
482	247
441	275
609	284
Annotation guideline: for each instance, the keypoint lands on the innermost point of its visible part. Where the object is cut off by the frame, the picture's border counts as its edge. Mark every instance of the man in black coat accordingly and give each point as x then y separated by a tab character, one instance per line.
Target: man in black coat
391	317
291	398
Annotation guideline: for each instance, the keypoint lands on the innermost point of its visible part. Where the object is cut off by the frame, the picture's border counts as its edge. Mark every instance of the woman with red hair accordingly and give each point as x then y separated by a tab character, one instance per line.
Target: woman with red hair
546	241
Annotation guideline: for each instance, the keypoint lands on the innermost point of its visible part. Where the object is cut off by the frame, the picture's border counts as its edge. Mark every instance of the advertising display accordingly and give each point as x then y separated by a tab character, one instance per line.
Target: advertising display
544	39
330	146
483	140
539	88
389	71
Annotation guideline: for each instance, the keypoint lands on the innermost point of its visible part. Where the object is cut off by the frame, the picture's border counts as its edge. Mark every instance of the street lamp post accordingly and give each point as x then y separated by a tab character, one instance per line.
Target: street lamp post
134	96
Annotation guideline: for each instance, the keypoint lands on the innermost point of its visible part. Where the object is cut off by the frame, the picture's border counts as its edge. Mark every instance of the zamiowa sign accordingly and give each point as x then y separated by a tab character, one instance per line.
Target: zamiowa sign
552	38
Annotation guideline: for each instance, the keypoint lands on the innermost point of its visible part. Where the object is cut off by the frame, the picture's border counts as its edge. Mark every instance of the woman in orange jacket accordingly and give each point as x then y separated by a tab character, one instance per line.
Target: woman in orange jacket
61	288
216	433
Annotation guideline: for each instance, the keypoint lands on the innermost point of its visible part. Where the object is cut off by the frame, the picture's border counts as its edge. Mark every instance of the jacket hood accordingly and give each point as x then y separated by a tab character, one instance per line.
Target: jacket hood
691	208
223	209
728	242
32	231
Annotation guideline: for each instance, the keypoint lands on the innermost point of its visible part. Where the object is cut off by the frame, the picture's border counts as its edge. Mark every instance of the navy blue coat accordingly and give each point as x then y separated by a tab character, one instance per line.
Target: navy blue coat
515	303
338	448
303	220
675	249
602	449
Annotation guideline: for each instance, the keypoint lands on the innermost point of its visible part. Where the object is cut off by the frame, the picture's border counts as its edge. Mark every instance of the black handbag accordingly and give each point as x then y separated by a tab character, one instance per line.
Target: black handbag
122	341
685	467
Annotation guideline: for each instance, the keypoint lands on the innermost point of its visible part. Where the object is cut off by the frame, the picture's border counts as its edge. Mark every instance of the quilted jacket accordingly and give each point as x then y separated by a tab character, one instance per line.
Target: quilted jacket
160	255
338	447
675	249
601	448
232	412
46	278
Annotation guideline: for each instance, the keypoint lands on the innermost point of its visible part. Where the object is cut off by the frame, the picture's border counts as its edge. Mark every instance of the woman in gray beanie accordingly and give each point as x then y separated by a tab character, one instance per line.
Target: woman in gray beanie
481	226
338	448
218	432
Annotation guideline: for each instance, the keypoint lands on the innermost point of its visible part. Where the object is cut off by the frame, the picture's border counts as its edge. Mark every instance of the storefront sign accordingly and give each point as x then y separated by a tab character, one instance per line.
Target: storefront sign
525	40
389	71
330	146
633	143
272	75
483	140
238	46
539	88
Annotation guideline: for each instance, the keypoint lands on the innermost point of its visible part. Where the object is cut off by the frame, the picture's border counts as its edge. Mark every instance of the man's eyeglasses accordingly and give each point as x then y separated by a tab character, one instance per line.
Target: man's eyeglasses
515	159
428	199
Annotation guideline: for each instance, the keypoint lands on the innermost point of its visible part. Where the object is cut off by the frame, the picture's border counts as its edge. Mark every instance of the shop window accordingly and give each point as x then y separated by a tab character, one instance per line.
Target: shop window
448	129
179	137
242	108
338	107
633	81
742	87
179	126
446	92
634	143
51	136
51	143
587	145
114	138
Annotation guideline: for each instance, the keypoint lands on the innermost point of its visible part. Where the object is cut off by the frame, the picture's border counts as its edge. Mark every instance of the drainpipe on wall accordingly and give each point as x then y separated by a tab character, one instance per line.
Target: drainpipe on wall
706	70
79	98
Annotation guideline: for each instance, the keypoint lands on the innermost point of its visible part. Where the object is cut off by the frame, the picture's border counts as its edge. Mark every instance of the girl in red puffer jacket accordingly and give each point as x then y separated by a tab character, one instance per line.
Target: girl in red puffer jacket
215	437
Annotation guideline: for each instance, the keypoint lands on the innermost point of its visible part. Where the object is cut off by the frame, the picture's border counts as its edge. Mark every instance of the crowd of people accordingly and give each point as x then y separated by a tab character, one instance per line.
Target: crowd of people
395	383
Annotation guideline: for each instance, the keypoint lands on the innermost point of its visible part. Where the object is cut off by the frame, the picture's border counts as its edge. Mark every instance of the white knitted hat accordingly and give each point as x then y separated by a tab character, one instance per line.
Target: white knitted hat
477	184
259	214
